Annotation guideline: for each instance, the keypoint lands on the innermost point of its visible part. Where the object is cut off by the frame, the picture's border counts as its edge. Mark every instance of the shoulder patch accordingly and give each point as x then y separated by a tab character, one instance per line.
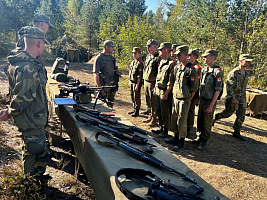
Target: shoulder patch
140	61
219	79
192	67
192	78
197	66
174	61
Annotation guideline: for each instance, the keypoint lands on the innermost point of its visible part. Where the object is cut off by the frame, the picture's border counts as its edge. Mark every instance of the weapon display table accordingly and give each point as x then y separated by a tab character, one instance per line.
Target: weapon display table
256	100
101	163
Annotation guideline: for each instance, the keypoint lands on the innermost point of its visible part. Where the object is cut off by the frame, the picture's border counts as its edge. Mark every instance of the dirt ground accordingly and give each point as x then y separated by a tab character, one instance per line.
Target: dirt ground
236	169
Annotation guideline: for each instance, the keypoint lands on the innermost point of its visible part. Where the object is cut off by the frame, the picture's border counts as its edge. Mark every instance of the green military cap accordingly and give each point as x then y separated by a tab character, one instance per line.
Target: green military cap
181	49
211	52
194	52
109	43
151	42
174	46
246	57
43	18
165	45
35	33
136	49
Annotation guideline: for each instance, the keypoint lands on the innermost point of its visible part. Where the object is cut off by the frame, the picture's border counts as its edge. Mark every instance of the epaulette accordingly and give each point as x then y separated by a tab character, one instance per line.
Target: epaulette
192	67
173	61
197	66
140	61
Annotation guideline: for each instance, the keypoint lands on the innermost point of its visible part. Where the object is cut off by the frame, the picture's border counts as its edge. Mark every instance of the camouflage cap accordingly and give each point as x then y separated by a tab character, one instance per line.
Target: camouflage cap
151	42
36	33
174	46
181	49
165	45
108	43
246	57
211	52
194	52
43	18
136	49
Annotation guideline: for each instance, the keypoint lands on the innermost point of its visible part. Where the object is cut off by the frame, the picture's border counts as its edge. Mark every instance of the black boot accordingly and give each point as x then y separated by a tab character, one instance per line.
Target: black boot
237	135
202	144
131	112
180	145
173	141
136	113
164	133
157	131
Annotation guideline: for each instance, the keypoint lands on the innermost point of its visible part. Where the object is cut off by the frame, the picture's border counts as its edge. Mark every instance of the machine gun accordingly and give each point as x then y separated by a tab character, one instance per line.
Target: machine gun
104	118
158	189
142	155
120	134
78	90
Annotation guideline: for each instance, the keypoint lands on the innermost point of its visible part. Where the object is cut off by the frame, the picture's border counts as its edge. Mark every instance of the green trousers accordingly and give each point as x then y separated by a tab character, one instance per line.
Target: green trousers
205	120
35	154
191	115
150	98
180	110
109	93
230	109
135	95
163	109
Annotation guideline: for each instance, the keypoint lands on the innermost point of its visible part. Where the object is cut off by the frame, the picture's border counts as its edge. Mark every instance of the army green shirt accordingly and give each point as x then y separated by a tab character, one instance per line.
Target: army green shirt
27	85
165	76
151	68
136	70
210	82
236	84
186	81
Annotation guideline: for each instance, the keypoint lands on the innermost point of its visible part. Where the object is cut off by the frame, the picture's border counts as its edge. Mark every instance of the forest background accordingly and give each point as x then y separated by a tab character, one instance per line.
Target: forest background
230	26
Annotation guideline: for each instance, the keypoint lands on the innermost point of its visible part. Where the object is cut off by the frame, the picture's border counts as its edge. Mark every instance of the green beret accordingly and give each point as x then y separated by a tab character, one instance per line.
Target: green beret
151	42
109	43
35	33
181	49
246	57
136	49
43	18
174	46
165	45
211	52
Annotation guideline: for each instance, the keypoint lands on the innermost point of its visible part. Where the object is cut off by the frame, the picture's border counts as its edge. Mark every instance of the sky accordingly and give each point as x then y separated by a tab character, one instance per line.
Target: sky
153	4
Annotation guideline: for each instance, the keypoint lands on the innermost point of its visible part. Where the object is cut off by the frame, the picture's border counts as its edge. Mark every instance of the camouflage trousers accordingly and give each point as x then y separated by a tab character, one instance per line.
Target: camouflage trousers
163	109
180	109
135	95
230	109
150	98
205	120
35	155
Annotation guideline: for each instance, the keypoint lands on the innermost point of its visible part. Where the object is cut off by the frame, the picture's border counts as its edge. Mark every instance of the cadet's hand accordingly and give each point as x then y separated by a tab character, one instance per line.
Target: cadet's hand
209	109
136	88
129	84
4	116
196	101
235	102
165	97
154	91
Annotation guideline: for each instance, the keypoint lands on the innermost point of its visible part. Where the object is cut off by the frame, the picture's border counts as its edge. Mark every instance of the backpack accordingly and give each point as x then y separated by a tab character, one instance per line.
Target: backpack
214	72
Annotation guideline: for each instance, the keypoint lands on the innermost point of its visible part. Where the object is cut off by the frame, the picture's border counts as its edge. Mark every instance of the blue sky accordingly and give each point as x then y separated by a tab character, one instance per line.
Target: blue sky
153	4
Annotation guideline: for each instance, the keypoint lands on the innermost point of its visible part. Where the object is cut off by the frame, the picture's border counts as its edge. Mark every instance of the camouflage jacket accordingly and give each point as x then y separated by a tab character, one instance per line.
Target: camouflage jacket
27	81
151	67
136	70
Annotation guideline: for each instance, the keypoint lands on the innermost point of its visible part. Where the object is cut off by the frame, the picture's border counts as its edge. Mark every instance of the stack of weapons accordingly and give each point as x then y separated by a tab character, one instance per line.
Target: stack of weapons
257	90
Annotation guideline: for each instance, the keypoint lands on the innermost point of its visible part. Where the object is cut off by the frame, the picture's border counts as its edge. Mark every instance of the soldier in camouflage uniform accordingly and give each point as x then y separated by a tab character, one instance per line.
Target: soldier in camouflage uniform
184	88
236	94
210	88
28	107
163	87
192	58
173	55
135	78
105	70
149	75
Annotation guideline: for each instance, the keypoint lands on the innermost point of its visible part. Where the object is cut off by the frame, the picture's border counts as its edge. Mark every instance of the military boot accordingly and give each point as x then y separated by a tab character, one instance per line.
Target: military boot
173	141
146	112
131	112
157	130
153	122
164	133
148	119
180	145
237	135
136	113
202	145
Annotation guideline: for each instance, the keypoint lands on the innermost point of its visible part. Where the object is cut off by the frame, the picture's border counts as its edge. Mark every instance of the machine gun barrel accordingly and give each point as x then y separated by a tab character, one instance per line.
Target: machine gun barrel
144	156
104	118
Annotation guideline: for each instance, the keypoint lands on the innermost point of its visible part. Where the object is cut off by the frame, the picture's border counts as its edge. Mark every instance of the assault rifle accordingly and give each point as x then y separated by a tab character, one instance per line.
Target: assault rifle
142	155
104	118
66	89
131	137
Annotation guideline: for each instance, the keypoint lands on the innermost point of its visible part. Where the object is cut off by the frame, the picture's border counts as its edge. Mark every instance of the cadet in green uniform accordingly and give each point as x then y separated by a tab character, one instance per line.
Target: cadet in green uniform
184	88
28	107
236	94
163	89
210	87
105	70
135	78
149	75
192	58
174	56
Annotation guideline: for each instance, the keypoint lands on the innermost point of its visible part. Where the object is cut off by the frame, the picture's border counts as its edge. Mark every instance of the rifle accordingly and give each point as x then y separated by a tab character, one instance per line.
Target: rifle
132	137
104	118
66	89
142	155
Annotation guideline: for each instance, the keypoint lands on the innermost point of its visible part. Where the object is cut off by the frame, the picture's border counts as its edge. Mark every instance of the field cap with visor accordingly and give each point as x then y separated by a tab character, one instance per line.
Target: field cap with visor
174	46
246	57
181	49
194	52
109	43
36	33
211	52
43	18
151	42
136	50
165	45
